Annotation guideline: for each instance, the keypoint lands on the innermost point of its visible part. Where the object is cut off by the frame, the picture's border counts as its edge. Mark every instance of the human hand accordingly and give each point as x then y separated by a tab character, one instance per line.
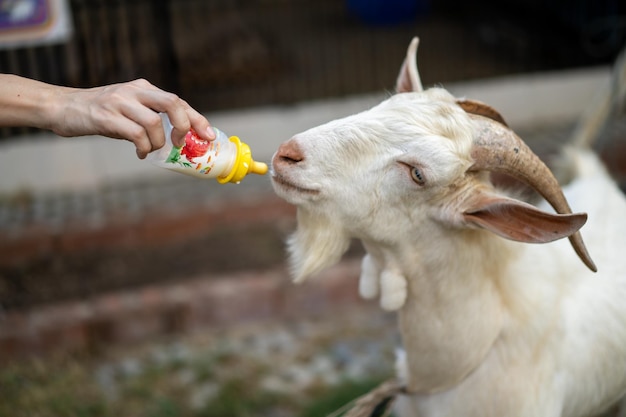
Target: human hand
126	111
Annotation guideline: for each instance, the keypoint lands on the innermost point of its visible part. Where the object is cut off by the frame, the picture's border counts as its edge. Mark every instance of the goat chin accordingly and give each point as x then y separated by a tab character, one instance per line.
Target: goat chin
497	314
316	244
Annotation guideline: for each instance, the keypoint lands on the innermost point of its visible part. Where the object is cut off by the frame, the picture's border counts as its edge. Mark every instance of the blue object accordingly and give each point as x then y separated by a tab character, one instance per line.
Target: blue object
387	12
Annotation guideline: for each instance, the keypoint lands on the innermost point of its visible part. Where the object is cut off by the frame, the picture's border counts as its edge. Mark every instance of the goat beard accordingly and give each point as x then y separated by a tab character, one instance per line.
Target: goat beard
318	242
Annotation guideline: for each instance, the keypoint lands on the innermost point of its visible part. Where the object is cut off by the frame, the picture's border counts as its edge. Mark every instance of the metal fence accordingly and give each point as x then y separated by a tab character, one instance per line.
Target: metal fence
222	54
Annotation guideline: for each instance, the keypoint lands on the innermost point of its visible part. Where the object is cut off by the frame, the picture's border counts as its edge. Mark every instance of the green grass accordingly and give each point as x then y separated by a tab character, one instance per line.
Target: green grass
38	389
253	371
331	399
68	388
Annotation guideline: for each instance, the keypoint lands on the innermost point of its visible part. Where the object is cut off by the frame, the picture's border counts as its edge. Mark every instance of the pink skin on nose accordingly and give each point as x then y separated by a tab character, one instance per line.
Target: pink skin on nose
287	154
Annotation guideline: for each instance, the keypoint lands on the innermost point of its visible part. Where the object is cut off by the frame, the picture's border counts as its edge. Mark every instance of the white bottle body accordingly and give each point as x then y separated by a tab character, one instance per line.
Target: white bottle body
198	158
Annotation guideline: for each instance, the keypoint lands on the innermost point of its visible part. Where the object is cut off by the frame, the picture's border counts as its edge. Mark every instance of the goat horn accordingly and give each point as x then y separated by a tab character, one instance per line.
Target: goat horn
481	109
498	148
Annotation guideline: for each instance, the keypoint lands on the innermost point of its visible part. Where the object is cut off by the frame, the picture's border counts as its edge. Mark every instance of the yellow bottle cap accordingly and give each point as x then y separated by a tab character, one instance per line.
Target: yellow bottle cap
244	164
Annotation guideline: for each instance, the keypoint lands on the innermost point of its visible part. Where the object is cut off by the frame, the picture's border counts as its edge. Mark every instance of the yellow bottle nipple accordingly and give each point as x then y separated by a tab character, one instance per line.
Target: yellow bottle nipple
244	164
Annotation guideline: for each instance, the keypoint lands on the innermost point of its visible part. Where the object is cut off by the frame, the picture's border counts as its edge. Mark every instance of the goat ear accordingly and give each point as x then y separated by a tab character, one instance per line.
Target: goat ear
481	109
522	222
409	79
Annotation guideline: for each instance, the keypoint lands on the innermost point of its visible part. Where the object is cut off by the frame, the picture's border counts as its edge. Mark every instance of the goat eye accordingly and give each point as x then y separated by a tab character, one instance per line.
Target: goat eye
416	175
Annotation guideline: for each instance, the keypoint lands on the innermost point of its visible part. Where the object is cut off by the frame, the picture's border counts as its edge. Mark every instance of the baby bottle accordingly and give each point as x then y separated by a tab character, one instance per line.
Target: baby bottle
225	159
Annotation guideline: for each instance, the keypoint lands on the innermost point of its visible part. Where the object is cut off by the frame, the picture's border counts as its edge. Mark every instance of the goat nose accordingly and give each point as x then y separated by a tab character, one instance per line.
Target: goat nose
289	153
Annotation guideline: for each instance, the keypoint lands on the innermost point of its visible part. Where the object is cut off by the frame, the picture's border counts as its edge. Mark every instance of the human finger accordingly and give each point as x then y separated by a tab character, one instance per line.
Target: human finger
199	123
150	122
127	129
191	120
180	125
146	124
182	116
156	100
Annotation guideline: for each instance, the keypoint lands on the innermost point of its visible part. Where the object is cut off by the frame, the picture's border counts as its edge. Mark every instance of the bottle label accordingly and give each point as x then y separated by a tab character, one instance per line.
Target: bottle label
196	155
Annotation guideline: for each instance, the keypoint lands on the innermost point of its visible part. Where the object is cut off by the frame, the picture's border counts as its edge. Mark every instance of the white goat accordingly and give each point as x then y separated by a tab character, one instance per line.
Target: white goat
491	325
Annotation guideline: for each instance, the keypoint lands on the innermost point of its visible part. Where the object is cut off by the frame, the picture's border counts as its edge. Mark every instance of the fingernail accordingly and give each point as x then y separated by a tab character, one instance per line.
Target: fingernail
210	132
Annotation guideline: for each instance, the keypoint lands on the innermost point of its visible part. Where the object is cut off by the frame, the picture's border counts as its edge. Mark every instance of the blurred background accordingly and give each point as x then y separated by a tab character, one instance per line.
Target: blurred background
225	54
127	290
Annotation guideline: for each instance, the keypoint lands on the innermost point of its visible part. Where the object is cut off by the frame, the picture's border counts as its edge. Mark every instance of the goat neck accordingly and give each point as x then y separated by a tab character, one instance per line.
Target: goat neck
453	313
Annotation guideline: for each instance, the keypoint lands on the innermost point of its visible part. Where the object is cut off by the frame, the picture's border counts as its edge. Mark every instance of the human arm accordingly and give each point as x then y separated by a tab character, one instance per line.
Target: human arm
123	111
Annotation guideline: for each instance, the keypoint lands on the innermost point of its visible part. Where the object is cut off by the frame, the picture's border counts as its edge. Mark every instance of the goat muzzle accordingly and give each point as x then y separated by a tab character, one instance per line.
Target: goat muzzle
289	153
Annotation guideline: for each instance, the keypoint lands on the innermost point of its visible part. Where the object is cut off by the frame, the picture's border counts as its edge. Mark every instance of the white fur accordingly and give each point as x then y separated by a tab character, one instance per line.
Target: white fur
490	327
393	289
390	284
368	281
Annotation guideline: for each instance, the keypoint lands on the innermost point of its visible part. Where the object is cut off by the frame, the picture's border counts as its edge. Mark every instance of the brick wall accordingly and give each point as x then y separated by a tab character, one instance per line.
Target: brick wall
137	315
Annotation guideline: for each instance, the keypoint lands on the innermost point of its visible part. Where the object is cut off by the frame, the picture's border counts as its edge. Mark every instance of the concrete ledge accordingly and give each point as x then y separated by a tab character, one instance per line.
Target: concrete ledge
48	163
539	99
